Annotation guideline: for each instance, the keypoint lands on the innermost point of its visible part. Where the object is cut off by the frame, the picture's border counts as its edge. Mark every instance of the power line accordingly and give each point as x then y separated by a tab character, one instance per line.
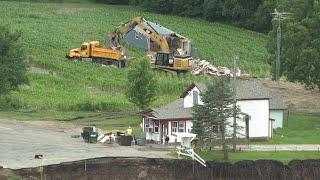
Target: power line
279	16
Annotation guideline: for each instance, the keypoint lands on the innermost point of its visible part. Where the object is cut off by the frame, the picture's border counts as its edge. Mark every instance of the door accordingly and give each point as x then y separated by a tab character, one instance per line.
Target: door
164	132
161	134
85	50
247	118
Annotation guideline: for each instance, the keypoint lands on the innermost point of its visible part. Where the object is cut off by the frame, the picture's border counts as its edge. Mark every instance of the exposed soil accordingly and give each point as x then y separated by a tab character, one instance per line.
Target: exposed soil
41	70
297	98
149	168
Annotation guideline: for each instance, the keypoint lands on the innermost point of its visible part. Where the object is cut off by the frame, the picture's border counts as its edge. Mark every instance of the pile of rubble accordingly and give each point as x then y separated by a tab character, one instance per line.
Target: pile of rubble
203	67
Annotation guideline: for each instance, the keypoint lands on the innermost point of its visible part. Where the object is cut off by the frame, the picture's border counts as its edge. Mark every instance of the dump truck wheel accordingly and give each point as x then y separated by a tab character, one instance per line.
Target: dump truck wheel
75	59
116	64
122	64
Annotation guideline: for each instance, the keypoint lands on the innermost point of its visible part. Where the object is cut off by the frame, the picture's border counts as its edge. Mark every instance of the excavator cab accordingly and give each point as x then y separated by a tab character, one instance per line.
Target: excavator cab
164	59
167	62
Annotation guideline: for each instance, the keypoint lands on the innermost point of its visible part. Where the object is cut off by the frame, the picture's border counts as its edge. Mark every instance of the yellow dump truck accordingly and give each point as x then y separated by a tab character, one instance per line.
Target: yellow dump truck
94	52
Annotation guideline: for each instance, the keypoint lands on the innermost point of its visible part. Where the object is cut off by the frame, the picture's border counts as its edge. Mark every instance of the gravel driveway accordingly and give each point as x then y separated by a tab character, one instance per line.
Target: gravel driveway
20	141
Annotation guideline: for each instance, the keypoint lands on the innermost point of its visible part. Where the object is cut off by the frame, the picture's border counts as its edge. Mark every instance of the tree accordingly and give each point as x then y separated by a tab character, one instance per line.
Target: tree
261	19
141	84
300	54
158	6
190	8
213	118
13	63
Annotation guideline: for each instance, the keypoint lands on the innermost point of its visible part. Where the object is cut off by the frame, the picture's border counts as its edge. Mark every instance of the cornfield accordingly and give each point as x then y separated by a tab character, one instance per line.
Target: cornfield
51	29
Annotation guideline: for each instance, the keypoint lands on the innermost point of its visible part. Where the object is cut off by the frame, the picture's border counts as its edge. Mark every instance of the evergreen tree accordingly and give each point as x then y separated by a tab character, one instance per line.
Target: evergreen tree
141	84
13	64
213	117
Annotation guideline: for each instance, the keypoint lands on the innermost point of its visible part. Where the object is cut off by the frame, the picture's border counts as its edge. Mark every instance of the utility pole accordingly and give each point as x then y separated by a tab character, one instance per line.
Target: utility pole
279	16
234	146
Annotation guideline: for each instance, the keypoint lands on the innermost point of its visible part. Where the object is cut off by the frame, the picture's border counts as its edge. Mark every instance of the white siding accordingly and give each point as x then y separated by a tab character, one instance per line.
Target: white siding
188	126
188	100
153	136
277	115
258	110
259	123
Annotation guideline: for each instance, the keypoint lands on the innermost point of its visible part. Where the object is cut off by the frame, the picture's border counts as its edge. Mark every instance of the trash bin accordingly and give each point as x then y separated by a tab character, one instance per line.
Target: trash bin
93	138
88	135
141	141
125	140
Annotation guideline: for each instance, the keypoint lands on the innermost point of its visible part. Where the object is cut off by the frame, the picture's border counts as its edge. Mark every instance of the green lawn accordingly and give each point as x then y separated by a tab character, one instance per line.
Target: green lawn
44	115
283	156
49	30
299	129
105	121
120	124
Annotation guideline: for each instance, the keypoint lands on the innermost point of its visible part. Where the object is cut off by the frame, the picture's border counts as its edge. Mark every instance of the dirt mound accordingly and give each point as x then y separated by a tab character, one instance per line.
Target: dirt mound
296	97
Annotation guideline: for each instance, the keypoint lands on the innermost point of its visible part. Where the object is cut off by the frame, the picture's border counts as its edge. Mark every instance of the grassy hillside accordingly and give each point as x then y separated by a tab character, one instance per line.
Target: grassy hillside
51	29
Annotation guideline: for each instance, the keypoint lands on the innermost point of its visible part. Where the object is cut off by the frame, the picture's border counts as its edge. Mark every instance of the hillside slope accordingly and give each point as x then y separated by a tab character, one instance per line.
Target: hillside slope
51	29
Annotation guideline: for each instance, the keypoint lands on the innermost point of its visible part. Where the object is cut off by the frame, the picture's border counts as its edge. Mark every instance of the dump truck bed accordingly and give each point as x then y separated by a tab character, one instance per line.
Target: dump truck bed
105	53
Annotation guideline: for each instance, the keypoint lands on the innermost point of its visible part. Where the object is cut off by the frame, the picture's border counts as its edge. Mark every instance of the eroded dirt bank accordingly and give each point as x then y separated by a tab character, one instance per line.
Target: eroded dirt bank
148	168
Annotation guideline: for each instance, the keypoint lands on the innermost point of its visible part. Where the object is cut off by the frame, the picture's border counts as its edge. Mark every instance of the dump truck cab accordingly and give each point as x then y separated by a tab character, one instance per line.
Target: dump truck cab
83	51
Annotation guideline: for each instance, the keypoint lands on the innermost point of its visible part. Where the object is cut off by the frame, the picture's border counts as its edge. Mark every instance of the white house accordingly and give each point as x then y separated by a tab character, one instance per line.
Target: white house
277	108
170	120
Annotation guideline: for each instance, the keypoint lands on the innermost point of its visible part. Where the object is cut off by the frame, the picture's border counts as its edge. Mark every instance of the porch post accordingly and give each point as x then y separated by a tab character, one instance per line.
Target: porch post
143	124
160	132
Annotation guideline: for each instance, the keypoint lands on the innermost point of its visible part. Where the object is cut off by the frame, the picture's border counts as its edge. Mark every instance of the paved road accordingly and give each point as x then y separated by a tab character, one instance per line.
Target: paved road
280	147
20	141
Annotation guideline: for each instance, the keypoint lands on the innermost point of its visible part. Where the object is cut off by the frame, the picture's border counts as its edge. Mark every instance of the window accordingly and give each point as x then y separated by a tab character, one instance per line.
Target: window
156	127
181	126
216	129
137	35
83	47
195	97
146	125
162	59
174	126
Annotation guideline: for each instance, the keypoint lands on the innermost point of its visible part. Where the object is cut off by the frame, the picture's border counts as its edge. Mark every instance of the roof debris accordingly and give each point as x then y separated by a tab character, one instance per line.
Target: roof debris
203	67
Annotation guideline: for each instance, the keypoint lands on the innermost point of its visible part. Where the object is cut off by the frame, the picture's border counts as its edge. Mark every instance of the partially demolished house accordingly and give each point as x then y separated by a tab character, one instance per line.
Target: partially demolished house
140	38
175	118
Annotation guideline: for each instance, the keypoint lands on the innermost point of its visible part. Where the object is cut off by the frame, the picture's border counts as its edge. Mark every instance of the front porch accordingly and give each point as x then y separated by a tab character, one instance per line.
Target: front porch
165	131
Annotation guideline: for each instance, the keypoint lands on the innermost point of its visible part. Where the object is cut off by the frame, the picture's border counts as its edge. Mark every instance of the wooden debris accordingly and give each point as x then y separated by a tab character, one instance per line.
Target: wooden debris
203	67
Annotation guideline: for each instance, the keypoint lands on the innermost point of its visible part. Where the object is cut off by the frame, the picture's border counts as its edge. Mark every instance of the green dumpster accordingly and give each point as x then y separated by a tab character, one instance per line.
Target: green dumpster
93	137
89	135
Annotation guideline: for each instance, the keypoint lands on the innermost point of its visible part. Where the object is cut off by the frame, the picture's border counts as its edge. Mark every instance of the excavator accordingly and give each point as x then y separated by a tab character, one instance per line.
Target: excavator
165	58
94	52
